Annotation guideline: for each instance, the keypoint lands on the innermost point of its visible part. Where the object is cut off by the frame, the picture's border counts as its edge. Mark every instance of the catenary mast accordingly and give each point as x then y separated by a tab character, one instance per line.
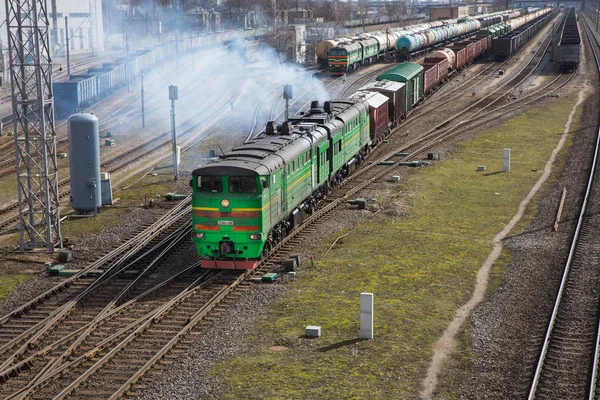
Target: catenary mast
33	115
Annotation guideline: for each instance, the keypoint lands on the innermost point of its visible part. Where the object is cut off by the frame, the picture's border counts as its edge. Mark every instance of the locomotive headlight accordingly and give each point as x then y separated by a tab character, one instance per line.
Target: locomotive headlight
255	236
197	235
224	203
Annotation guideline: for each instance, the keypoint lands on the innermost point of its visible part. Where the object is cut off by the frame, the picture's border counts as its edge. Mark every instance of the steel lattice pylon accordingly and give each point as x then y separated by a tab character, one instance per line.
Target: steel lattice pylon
33	115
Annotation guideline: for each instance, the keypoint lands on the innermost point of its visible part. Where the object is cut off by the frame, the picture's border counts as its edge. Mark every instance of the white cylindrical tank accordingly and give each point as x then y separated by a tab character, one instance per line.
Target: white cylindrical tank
445	53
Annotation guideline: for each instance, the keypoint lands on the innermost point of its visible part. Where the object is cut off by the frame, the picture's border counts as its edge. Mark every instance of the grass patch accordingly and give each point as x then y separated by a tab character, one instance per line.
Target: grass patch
460	365
8	189
76	228
9	282
420	268
141	187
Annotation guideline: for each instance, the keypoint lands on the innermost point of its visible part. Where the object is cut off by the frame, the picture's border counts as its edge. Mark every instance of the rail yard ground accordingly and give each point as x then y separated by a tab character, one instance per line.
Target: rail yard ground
419	255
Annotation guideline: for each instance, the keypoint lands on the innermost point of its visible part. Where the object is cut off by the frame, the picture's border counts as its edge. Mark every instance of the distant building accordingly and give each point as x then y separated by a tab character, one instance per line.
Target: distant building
233	20
299	15
82	21
292	43
436	13
81	35
205	21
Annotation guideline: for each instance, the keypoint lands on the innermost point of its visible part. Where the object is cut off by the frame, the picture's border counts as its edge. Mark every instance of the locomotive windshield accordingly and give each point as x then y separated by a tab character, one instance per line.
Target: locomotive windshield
337	52
242	184
210	184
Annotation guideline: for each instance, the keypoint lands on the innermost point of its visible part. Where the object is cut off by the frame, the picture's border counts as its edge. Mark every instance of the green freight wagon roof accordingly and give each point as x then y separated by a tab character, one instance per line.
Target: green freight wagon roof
402	72
489	30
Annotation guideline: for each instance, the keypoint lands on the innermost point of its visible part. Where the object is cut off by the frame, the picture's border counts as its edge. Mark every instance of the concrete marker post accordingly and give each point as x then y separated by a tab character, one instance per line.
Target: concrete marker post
506	160
366	315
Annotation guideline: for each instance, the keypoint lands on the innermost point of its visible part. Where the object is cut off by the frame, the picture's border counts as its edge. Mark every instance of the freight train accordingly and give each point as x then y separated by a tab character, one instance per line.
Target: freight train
569	46
249	199
84	90
348	54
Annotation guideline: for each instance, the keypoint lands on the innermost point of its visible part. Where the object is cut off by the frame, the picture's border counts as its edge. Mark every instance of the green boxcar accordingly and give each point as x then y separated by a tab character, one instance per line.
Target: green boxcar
489	31
410	74
494	31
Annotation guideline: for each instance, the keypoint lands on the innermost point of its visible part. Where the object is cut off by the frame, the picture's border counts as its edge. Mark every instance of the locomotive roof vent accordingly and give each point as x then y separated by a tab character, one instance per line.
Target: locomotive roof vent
270	128
314	107
327	107
306	128
286	128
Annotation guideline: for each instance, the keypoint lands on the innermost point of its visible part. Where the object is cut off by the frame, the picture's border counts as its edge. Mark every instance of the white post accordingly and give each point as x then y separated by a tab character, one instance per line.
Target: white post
506	160
174	95
366	315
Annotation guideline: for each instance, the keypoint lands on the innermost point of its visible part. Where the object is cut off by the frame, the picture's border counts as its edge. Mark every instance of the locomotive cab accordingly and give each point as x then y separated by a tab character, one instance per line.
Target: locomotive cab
227	216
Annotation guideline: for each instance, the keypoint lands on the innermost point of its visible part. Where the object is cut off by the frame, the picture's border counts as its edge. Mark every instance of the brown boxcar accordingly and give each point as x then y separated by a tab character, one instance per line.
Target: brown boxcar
395	92
487	43
436	71
461	56
481	44
378	113
476	47
470	51
430	77
443	66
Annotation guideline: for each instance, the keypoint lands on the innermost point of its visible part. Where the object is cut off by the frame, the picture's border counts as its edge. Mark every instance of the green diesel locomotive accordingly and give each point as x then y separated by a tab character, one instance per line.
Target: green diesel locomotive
252	197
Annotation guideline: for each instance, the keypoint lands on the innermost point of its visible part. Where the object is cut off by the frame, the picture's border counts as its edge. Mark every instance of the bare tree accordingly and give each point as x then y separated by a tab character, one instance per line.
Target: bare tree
281	40
361	8
240	5
297	4
338	11
395	9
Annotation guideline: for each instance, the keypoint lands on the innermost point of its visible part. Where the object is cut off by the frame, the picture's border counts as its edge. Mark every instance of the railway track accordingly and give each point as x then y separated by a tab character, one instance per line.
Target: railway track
89	316
128	110
567	366
500	96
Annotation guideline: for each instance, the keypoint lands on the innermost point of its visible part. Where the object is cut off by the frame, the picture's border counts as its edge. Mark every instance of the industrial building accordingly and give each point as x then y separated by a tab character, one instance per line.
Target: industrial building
446	12
84	22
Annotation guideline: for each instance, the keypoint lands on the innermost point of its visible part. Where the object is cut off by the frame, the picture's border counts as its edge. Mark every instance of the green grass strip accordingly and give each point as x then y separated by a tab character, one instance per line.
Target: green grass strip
420	267
9	282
